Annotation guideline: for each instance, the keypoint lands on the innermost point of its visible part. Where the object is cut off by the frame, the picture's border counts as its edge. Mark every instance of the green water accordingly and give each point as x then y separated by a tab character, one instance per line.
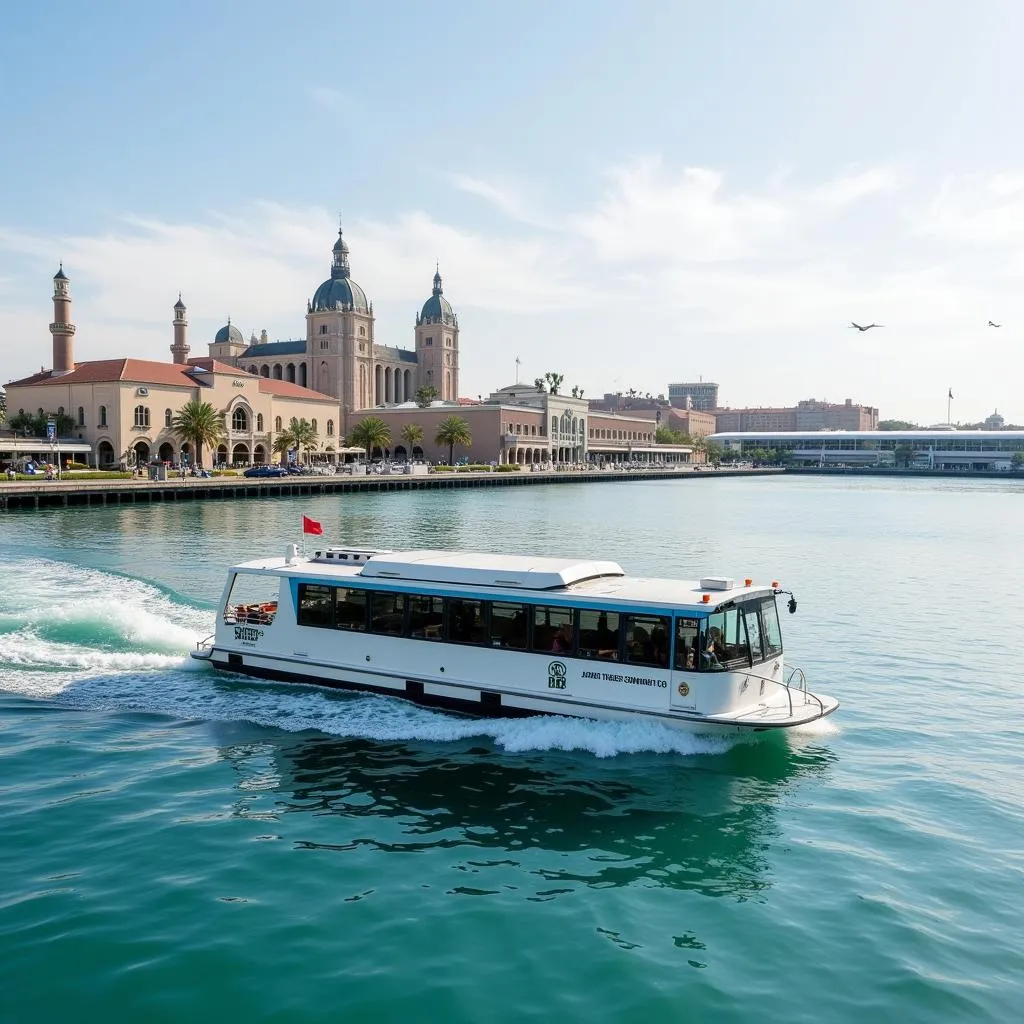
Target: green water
182	846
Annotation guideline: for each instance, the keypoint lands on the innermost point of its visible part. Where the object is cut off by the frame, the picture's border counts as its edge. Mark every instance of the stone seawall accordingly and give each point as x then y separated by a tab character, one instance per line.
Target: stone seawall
28	495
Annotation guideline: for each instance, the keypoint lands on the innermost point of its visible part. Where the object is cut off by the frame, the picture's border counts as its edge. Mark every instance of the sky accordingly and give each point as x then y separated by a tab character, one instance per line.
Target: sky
629	195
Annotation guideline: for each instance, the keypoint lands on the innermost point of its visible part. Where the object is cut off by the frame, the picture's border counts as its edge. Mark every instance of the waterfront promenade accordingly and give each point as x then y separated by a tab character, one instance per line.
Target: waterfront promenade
28	494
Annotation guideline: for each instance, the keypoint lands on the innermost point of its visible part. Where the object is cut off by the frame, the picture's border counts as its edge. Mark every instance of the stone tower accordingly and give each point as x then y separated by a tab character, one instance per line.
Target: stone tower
179	349
339	336
437	344
62	329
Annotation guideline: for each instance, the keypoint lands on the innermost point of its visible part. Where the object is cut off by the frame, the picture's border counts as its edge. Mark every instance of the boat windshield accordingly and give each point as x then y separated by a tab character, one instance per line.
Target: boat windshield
252	599
743	634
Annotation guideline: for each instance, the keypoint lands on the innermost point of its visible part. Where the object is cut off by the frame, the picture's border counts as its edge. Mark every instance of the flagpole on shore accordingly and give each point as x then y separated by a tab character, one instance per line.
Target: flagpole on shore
949	403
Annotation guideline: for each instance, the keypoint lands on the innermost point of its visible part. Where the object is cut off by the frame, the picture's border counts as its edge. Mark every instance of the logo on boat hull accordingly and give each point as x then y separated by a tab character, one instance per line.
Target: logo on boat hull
556	675
247	634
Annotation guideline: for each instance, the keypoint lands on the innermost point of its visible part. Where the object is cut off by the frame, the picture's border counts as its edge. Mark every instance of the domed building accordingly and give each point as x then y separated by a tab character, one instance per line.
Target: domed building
340	356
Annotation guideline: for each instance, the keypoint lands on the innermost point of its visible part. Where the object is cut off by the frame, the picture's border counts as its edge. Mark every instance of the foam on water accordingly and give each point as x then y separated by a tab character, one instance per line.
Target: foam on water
93	640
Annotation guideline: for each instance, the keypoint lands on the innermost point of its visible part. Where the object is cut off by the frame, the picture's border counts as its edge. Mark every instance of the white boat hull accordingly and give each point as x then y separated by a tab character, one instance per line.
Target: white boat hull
790	708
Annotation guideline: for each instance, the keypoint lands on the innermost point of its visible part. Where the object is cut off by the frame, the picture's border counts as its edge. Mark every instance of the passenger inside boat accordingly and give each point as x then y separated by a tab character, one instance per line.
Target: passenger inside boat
712	649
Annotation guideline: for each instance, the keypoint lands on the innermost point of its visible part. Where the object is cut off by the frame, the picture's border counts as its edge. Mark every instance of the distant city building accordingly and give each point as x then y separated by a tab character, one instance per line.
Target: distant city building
995	421
526	425
806	415
701	396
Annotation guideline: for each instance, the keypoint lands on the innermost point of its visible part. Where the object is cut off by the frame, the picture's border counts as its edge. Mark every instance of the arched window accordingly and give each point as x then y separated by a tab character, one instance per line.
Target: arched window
103	415
323	328
277	422
264	371
314	426
554	425
278	372
254	370
259	421
239	420
167	417
330	428
141	416
81	416
362	332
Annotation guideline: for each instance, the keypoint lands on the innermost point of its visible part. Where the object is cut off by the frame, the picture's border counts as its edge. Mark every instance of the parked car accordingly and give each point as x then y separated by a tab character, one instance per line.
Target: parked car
265	471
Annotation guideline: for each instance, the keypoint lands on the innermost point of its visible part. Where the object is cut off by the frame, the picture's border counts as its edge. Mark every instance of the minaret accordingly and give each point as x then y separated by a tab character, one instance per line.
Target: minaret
62	329
179	349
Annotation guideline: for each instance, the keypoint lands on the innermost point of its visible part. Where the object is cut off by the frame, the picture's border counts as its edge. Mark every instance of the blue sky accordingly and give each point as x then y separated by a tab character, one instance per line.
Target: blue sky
628	195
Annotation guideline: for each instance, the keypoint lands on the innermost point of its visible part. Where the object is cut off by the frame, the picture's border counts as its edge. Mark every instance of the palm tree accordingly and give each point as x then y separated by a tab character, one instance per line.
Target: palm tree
554	381
283	443
199	423
369	433
452	431
412	434
302	435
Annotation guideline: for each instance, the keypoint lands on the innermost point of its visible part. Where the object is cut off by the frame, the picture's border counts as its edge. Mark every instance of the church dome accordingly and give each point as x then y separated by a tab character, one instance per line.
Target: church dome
437	309
339	291
229	332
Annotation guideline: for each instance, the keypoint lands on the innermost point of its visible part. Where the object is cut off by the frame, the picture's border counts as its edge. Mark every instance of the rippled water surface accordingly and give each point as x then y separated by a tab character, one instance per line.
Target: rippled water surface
178	845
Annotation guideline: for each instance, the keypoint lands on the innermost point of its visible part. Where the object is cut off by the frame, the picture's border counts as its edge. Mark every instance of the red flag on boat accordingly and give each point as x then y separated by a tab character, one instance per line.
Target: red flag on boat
311	526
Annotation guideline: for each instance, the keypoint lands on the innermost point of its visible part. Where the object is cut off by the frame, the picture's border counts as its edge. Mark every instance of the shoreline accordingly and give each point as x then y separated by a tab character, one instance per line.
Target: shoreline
31	496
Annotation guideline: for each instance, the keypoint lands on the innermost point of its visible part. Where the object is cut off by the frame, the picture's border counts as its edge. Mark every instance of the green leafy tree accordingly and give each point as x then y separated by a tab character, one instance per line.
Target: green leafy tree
896	425
35	423
577	391
903	454
666	435
3	405
713	451
371	433
425	395
412	435
452	431
1017	462
199	424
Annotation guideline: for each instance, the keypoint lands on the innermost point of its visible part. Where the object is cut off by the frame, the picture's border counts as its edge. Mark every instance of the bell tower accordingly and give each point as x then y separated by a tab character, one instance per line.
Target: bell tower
62	329
437	344
179	348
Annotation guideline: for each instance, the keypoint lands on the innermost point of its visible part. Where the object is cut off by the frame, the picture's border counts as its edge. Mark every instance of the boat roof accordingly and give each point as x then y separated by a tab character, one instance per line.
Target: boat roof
587	581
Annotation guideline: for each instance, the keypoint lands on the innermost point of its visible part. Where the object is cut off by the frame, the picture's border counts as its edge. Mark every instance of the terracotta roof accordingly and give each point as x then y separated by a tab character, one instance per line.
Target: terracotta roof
285	389
98	371
215	366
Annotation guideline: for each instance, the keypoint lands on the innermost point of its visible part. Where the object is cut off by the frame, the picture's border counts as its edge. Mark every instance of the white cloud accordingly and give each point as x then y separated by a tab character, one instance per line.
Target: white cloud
326	96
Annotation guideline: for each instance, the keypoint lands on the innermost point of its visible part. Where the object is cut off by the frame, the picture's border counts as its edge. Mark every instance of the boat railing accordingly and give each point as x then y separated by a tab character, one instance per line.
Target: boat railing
250	614
205	645
795	680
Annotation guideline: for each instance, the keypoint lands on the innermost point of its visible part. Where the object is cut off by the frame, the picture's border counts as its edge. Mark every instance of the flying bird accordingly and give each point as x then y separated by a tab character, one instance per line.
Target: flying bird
994	325
866	327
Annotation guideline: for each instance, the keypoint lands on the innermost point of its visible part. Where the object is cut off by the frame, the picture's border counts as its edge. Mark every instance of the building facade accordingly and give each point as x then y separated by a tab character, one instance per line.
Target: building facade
809	414
340	355
699	396
122	409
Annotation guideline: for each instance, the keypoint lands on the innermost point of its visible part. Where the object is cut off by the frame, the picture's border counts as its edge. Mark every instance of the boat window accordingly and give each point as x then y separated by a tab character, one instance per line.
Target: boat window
771	635
508	626
647	640
552	629
753	624
387	612
315	605
599	634
724	641
350	609
426	616
252	599
686	644
466	621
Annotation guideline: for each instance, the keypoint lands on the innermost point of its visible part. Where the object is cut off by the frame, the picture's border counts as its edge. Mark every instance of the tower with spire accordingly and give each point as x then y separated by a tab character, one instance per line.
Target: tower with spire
339	336
62	329
179	348
437	344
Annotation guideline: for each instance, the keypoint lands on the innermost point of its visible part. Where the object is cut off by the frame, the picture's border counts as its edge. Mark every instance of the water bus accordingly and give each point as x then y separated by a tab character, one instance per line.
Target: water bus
514	635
